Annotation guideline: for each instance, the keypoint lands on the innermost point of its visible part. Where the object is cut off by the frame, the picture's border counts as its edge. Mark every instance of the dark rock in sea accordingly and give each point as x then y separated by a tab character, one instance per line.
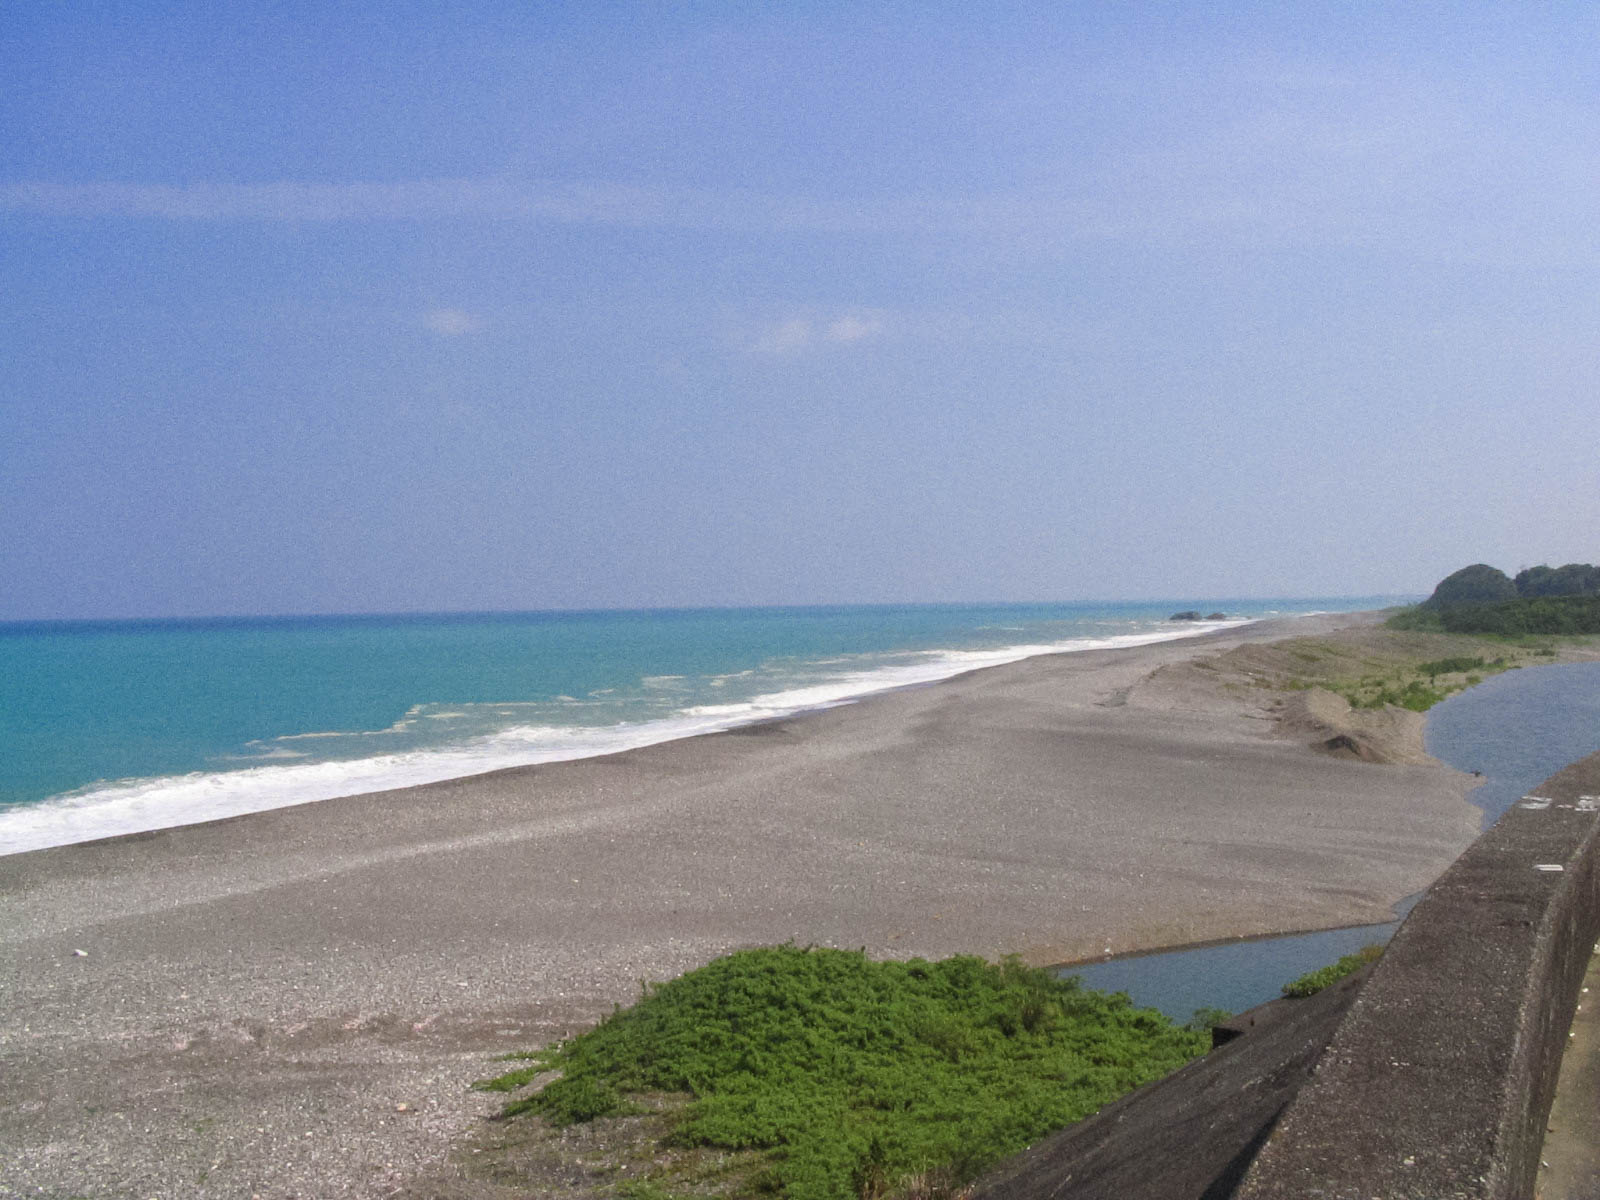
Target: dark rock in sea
1216	616
1187	614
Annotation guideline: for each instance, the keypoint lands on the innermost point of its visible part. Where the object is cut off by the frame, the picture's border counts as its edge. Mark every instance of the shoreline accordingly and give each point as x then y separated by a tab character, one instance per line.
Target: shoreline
1242	939
284	980
116	808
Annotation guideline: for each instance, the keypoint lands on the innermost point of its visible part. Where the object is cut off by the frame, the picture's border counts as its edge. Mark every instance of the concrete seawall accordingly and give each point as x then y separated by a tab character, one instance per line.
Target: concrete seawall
1439	1079
1433	1077
1192	1134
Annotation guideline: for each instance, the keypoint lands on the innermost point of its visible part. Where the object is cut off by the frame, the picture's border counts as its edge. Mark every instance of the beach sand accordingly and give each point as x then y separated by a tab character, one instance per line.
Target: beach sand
293	1003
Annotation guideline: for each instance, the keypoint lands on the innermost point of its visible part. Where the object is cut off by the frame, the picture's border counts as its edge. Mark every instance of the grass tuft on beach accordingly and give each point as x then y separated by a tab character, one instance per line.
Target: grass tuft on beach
823	1074
1402	664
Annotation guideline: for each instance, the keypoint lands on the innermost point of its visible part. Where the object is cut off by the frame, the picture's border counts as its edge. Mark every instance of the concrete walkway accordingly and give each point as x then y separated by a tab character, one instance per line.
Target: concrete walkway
1569	1167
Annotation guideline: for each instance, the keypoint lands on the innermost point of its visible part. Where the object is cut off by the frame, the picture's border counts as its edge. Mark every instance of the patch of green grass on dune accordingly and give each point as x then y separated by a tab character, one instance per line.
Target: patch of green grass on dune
841	1076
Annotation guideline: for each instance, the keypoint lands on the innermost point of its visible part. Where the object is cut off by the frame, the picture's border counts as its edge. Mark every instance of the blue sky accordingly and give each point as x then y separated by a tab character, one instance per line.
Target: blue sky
320	308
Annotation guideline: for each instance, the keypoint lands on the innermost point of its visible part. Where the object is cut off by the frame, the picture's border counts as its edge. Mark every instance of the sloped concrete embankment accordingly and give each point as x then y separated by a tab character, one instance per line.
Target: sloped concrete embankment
1439	1079
1429	1076
1194	1133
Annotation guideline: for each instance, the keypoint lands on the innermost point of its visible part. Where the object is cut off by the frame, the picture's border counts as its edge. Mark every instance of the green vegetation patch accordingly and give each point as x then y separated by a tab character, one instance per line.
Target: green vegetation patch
1460	662
1416	619
852	1077
1313	982
1541	601
1422	665
1421	686
1401	665
1477	584
1415	694
1545	616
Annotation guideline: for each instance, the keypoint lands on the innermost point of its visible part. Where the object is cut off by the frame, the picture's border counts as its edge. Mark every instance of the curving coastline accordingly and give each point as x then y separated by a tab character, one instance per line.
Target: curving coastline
267	991
223	718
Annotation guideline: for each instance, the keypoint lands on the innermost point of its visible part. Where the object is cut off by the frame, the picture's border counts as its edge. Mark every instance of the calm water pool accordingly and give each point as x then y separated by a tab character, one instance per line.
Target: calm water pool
1233	976
1518	729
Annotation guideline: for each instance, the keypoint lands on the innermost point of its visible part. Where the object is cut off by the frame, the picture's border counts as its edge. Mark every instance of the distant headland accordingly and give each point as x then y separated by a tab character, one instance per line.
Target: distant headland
1484	599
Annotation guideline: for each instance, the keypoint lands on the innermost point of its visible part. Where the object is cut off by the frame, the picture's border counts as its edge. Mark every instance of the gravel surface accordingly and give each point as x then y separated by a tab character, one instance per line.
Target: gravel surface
293	1003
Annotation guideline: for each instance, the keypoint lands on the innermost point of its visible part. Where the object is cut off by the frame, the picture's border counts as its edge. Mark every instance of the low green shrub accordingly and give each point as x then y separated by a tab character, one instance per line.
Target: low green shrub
856	1076
1451	666
1547	615
1313	982
1413	694
1204	1018
1416	619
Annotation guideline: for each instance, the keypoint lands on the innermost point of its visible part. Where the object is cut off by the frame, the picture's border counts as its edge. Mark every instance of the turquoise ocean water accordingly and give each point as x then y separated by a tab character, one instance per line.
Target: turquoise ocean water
116	727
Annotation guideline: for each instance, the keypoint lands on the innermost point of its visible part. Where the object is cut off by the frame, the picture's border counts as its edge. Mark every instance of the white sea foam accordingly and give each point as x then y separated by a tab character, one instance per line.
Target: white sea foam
133	806
274	752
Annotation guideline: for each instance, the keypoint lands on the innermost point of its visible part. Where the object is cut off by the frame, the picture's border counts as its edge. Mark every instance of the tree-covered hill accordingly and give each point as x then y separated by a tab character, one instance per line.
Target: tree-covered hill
1477	584
1540	600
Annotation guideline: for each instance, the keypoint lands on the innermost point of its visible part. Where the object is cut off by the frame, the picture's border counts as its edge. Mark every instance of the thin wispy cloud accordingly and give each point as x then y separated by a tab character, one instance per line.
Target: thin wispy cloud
1386	162
854	327
1308	159
1248	185
435	199
791	335
785	338
452	322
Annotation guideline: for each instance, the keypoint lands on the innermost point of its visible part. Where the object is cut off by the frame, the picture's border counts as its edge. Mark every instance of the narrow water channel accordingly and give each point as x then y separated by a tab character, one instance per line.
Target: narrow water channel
1518	729
1232	976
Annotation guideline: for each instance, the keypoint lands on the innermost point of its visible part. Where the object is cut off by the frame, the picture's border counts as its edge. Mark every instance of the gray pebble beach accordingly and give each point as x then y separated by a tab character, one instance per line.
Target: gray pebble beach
293	1003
